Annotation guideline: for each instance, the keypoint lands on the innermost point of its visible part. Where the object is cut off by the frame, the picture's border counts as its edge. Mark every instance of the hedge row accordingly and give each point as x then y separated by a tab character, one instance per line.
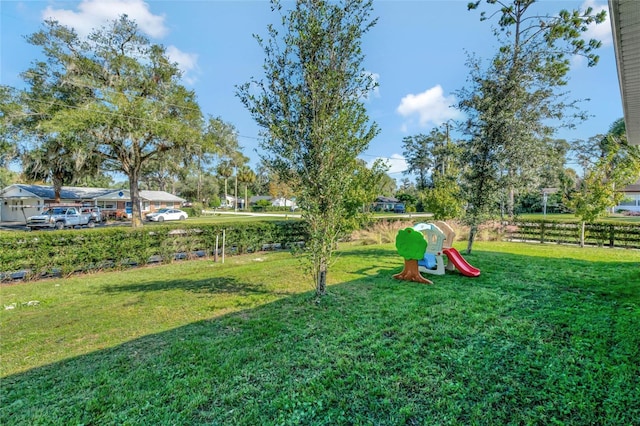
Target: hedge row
60	253
612	234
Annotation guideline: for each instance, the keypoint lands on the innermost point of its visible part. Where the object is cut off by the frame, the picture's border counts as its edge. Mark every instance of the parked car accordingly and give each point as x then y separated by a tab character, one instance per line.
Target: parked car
61	217
167	214
399	208
94	212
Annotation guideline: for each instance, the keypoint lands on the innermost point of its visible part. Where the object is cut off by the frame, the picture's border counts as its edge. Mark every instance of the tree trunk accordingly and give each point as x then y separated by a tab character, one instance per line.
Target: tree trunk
321	284
226	196
57	188
411	273
235	193
136	214
473	230
321	278
511	203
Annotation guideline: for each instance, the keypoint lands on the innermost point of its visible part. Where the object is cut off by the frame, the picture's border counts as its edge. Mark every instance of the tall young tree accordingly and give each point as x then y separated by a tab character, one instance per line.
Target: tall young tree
417	151
133	107
310	107
246	176
517	102
225	171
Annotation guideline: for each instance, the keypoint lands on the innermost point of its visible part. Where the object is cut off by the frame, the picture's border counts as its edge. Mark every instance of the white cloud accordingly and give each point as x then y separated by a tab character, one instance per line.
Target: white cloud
187	62
431	106
600	31
93	14
396	163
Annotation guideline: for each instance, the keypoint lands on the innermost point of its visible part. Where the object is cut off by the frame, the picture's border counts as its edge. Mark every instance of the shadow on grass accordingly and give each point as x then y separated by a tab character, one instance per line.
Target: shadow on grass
608	279
369	252
211	285
374	351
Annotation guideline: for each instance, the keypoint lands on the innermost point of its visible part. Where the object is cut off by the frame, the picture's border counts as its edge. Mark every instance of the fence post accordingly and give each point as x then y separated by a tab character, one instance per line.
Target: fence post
542	232
612	232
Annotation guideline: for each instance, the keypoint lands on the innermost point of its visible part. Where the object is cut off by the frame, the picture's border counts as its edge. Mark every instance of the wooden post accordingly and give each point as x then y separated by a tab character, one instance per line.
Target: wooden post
224	238
215	255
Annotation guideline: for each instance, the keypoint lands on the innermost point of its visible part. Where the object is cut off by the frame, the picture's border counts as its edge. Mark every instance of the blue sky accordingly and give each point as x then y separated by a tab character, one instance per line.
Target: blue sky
417	52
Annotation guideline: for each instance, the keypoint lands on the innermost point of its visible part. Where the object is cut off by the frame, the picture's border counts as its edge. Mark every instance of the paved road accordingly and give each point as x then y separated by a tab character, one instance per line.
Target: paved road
17	226
232	212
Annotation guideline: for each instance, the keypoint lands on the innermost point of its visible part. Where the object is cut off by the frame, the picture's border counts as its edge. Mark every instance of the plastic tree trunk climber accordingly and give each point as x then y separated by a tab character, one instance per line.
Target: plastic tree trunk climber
411	245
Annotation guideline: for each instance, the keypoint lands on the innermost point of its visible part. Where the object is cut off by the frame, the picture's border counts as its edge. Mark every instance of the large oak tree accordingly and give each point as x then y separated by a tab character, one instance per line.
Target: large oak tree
129	105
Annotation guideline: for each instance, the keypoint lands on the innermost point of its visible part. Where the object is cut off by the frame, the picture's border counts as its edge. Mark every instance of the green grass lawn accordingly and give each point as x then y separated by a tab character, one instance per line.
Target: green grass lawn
547	334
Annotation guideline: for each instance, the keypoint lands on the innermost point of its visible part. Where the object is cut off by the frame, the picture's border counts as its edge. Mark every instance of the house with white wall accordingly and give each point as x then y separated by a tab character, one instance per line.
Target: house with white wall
631	200
19	201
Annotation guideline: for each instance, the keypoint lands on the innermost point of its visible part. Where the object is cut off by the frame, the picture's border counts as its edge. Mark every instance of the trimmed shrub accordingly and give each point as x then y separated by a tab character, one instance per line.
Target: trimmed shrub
46	253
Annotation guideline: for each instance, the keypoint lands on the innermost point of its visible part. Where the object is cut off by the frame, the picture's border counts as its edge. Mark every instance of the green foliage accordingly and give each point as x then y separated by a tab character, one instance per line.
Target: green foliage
407	199
410	244
194	211
445	199
417	152
431	156
42	253
263	204
214	201
546	335
310	107
10	108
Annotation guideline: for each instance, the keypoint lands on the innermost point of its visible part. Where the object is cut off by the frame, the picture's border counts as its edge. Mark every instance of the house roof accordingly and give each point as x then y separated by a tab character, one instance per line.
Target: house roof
382	199
66	192
632	188
160	196
257	198
625	26
80	193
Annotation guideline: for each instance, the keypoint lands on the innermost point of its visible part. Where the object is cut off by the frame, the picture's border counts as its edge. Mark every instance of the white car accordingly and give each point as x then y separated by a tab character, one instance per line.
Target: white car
167	214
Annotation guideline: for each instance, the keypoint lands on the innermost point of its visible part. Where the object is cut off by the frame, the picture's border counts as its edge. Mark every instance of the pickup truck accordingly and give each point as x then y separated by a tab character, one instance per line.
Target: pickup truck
63	217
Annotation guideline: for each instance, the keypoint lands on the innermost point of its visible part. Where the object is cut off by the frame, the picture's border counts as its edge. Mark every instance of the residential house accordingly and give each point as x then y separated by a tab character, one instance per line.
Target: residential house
631	201
230	202
19	201
274	201
385	204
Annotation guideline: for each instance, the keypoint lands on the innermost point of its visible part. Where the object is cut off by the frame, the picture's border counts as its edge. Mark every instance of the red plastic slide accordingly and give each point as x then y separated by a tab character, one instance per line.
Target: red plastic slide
458	261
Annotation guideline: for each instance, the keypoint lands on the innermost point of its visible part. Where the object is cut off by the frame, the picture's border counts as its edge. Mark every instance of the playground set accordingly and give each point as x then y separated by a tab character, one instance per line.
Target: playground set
425	247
